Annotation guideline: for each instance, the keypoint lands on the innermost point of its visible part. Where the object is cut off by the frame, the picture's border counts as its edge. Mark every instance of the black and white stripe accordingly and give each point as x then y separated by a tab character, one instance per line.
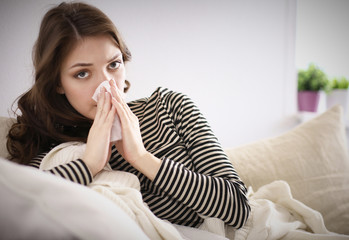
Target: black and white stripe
76	171
196	178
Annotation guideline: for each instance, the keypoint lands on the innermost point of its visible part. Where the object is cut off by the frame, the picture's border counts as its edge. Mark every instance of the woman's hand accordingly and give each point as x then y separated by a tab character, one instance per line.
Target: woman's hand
98	147
131	146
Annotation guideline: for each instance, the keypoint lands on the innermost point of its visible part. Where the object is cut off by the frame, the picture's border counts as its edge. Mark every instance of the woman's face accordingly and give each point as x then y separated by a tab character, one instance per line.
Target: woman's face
92	61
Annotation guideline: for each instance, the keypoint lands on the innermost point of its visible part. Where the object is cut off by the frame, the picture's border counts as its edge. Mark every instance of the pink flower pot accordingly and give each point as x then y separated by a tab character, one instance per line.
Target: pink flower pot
308	101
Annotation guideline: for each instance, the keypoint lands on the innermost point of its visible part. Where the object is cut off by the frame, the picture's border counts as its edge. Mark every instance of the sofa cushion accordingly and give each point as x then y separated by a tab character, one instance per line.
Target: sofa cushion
312	158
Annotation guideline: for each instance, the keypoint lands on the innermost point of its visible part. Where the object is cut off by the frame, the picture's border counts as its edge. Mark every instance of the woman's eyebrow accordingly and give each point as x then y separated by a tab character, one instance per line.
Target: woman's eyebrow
81	65
90	64
114	57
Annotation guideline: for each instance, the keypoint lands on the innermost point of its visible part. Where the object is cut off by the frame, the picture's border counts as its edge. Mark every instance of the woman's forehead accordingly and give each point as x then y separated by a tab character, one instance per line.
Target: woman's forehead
93	49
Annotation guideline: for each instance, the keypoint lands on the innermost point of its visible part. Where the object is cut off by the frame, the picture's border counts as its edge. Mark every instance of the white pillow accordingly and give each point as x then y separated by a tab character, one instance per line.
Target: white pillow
38	205
312	158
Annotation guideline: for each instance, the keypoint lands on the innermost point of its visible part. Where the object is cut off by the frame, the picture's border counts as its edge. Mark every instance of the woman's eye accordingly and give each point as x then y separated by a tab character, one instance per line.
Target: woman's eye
114	65
82	75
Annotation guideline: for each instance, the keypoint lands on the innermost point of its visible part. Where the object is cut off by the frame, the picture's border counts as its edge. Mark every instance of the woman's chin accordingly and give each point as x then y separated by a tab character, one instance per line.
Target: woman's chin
91	115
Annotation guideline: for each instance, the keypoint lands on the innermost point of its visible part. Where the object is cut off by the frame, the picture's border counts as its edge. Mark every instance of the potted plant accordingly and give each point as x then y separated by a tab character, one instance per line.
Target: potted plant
338	93
310	82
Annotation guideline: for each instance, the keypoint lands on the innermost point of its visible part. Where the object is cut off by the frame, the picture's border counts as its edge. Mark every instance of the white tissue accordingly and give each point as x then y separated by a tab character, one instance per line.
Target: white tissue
116	128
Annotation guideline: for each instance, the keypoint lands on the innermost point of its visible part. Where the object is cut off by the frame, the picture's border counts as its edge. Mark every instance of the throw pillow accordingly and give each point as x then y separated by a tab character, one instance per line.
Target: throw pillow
312	158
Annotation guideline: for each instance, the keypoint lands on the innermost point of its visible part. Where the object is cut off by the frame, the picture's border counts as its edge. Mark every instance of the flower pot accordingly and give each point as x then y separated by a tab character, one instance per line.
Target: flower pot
308	101
338	96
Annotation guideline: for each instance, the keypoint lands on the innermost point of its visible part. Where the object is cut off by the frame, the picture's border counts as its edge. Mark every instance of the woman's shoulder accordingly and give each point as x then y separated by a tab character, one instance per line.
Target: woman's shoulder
164	101
161	94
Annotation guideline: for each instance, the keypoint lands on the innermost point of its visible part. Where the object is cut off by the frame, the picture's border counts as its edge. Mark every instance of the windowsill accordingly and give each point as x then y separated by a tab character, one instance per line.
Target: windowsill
306	116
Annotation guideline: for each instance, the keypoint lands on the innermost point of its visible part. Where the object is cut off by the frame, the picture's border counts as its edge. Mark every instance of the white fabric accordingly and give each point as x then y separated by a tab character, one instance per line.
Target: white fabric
277	215
38	205
312	158
190	233
116	128
121	187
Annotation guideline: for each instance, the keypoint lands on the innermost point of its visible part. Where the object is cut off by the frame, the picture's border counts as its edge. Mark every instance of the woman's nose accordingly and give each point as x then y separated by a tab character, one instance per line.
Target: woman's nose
104	75
101	77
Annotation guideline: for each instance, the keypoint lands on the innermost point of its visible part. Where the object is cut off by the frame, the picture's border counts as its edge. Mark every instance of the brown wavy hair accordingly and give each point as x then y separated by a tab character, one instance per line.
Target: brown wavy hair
46	117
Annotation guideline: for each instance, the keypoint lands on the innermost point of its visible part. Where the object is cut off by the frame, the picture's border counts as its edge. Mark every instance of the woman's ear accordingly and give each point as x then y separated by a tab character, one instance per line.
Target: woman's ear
127	86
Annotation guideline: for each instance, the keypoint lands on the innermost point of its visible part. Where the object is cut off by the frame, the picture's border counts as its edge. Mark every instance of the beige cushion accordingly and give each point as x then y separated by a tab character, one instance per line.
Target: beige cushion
312	158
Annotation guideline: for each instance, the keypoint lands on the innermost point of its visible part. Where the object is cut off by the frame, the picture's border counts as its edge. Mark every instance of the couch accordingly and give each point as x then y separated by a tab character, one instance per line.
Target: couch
312	159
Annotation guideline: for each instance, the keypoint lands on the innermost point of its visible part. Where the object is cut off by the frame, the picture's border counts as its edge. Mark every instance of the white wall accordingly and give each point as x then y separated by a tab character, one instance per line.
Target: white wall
235	59
322	37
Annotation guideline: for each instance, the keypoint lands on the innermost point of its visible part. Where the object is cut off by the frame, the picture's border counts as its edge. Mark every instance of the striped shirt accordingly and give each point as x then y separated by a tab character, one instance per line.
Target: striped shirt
195	180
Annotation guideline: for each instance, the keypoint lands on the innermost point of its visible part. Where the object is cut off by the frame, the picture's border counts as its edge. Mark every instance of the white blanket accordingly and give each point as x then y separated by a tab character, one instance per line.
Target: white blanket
121	187
275	213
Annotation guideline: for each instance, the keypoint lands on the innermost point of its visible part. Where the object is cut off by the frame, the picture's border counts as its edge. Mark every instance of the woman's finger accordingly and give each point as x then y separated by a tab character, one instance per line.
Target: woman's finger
106	104
114	90
116	93
100	103
120	111
111	115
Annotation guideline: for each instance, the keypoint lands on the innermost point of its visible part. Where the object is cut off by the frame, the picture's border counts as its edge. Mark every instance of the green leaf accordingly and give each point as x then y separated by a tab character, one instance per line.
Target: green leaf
312	79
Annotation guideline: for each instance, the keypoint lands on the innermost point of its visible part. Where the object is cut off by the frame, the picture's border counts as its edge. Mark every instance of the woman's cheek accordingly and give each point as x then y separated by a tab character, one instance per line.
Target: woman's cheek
120	79
121	86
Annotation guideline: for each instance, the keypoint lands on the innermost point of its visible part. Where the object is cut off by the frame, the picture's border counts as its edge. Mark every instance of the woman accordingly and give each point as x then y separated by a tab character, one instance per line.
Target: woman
166	142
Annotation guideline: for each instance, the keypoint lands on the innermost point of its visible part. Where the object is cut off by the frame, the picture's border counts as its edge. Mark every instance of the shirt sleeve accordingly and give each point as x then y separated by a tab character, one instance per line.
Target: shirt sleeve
214	189
75	171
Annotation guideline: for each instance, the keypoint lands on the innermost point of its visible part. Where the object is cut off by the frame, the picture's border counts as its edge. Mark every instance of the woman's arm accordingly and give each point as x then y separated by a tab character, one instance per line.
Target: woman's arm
214	189
131	146
75	171
98	147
